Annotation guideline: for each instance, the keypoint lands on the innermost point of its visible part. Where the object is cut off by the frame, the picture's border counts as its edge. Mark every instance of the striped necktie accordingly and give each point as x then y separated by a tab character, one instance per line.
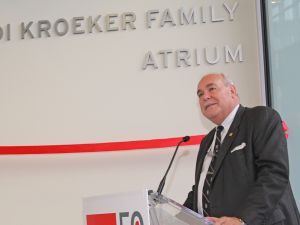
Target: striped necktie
210	173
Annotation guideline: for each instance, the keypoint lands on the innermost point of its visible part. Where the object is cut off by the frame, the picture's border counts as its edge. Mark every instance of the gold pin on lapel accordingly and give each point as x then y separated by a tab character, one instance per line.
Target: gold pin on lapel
230	134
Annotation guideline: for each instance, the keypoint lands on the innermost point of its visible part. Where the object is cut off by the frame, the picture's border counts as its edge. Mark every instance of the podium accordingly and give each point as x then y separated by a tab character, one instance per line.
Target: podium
138	208
165	211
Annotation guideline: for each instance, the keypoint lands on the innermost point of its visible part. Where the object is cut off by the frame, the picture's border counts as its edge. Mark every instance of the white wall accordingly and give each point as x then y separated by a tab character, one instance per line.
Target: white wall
48	189
91	88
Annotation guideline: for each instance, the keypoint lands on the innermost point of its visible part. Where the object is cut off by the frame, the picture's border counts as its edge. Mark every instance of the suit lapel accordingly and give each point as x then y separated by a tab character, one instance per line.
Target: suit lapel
230	136
204	146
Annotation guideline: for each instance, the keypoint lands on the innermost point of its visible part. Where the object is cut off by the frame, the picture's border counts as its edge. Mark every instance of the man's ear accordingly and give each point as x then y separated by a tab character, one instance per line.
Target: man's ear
233	90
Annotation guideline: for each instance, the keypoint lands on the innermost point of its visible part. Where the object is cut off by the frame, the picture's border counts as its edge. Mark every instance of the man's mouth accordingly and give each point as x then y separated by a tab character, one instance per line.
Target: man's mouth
209	105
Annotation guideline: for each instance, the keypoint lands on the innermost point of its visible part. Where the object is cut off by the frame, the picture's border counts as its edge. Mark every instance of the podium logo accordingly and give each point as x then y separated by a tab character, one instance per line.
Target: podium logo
111	219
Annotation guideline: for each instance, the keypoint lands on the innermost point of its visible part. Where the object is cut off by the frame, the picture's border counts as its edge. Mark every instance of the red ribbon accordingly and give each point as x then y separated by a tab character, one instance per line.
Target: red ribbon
99	147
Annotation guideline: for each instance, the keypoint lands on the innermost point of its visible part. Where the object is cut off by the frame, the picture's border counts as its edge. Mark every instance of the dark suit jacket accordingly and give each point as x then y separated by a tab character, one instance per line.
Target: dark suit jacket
251	183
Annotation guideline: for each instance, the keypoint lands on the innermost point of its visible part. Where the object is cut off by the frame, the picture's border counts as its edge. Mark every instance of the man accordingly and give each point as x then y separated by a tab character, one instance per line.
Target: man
246	180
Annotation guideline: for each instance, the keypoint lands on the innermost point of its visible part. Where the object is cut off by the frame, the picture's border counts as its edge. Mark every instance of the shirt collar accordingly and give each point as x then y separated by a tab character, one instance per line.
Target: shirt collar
229	119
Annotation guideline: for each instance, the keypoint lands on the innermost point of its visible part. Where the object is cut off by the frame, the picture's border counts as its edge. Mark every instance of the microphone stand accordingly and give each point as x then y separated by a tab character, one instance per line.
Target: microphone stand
162	182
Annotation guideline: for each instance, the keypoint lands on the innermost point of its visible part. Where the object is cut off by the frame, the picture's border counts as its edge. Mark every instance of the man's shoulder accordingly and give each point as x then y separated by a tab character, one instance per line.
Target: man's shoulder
261	113
260	110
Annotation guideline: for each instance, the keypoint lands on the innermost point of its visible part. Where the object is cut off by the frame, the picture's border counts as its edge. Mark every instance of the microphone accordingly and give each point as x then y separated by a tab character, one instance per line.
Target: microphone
162	182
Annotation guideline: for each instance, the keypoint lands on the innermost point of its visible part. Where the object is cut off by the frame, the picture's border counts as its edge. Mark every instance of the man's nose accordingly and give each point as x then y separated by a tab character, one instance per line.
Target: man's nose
205	95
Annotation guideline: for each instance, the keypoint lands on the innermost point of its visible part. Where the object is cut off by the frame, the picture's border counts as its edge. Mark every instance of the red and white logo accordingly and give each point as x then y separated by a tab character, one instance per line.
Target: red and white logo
124	218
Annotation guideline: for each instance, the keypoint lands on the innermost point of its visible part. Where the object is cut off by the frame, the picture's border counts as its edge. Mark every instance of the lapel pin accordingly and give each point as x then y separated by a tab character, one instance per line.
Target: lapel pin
230	134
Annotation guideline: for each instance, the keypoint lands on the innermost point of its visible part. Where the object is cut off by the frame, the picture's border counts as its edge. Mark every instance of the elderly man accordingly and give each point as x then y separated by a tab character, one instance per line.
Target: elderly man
242	171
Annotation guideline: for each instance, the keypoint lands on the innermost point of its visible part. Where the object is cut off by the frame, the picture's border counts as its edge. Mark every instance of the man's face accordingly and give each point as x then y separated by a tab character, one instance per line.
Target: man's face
216	98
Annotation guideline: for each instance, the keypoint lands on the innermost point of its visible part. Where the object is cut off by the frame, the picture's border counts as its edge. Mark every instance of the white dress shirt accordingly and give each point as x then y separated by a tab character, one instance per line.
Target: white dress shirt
209	155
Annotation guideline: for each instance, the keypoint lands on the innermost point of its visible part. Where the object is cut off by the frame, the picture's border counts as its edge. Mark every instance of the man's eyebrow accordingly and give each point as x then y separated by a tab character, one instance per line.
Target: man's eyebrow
207	86
210	84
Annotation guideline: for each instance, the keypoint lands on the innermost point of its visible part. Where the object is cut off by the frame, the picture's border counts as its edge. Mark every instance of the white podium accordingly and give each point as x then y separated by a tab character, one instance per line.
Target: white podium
138	208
